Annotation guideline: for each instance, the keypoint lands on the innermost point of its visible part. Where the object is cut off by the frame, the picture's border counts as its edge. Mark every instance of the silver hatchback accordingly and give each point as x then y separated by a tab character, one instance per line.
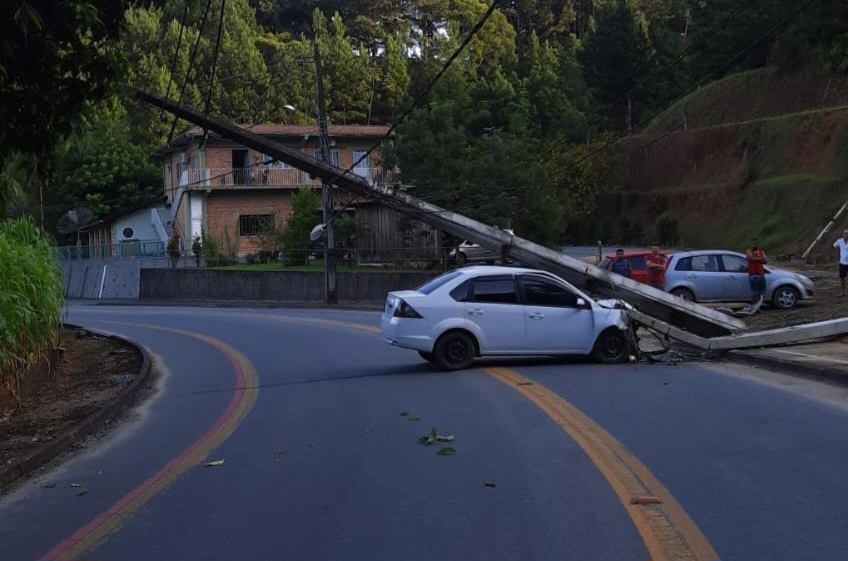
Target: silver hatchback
722	276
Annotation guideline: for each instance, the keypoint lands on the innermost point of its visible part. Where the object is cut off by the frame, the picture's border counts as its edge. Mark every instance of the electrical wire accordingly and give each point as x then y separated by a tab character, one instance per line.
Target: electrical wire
420	98
701	40
609	143
215	58
190	66
176	56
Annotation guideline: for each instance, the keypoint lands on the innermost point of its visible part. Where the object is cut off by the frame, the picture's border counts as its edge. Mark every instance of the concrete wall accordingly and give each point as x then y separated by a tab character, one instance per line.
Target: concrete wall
83	277
263	286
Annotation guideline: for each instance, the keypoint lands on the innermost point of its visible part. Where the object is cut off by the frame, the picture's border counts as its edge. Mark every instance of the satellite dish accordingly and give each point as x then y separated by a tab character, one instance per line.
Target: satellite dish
317	232
72	221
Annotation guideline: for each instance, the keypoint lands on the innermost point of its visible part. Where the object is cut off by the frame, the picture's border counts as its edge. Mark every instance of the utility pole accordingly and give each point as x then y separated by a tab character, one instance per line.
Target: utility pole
326	188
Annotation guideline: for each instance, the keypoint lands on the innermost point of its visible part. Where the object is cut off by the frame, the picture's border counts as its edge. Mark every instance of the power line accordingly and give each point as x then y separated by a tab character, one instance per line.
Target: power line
190	65
176	54
419	99
661	70
709	76
215	58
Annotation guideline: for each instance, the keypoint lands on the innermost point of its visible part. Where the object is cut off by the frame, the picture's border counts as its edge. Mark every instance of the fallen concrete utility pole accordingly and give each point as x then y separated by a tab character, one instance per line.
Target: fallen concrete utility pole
825	230
792	335
681	316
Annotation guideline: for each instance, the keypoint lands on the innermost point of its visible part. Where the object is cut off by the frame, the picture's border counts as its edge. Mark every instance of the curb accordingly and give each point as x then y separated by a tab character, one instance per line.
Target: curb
791	368
76	433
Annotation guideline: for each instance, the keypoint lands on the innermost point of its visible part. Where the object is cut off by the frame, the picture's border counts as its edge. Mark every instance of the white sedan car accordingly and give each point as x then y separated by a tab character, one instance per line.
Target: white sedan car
482	311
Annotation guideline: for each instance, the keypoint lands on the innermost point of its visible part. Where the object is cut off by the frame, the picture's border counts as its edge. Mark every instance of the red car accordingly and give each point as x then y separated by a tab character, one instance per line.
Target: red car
638	269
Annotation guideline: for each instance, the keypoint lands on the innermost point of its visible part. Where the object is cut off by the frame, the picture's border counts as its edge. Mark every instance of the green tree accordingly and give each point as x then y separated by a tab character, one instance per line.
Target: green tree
348	78
303	218
101	167
54	58
616	59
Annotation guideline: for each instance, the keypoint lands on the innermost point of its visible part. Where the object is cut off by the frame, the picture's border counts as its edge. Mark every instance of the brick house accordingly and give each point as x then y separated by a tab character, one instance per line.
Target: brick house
232	194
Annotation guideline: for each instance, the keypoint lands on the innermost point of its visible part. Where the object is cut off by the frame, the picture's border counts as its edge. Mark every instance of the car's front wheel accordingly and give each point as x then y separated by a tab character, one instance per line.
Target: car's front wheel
454	351
785	297
612	347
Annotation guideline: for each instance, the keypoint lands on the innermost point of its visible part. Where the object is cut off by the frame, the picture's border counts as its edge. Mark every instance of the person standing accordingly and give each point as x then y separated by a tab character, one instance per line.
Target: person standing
621	265
756	270
656	263
842	245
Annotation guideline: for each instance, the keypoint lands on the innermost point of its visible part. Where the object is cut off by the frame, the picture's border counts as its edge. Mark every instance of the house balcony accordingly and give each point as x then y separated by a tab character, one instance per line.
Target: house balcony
271	178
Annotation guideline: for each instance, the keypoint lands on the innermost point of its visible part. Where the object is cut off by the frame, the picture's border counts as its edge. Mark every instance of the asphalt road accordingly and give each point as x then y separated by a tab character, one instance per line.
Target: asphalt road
317	421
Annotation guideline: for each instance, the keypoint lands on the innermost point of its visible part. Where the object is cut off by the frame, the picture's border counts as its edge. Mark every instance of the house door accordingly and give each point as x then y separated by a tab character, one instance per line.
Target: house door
240	165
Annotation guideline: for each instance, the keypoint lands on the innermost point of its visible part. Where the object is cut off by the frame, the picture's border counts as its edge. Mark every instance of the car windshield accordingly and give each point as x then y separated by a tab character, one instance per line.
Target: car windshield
432	285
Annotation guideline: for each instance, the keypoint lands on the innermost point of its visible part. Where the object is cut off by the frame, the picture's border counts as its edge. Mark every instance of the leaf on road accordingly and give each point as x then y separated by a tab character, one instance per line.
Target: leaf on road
76	485
427	440
216	463
445	438
404	414
446	451
489	484
413	418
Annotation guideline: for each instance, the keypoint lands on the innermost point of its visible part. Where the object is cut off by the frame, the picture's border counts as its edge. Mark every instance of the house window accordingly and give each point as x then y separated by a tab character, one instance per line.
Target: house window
255	224
335	157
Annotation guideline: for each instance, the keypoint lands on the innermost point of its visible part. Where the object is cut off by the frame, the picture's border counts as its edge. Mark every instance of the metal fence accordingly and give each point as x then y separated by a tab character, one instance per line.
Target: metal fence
130	248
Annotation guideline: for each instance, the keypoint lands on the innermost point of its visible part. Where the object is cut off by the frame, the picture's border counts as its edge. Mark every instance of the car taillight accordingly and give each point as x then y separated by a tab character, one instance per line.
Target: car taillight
404	310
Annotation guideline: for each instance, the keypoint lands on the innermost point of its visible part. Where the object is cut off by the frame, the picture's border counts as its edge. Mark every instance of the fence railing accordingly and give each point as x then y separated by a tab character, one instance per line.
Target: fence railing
412	257
130	248
224	178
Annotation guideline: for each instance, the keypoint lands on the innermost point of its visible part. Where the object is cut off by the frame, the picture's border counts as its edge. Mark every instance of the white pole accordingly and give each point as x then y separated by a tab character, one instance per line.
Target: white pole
102	282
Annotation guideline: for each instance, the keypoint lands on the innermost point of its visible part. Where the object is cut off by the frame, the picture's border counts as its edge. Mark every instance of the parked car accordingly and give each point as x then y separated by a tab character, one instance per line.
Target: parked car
638	268
722	276
482	311
469	253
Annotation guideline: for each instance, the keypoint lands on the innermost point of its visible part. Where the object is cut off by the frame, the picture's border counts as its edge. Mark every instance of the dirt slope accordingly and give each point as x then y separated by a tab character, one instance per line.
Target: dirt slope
777	177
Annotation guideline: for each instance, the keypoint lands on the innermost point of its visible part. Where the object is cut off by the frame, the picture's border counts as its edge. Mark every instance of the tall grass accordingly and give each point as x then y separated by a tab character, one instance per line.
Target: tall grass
31	298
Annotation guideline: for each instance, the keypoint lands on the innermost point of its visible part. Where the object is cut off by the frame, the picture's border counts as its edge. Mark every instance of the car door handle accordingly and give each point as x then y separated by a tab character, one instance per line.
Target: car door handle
475	312
537	315
692	276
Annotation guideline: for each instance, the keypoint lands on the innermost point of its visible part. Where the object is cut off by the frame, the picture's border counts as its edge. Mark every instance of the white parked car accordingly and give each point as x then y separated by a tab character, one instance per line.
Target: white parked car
482	311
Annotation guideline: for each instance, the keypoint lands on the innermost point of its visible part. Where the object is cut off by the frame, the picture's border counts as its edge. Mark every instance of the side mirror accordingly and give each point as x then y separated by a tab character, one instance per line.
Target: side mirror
581	303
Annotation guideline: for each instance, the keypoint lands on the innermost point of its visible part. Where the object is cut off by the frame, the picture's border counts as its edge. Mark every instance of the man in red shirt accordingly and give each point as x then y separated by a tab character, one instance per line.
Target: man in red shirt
656	268
756	270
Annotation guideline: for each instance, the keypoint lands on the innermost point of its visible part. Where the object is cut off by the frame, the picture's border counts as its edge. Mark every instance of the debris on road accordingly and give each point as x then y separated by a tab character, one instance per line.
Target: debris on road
215	463
446	451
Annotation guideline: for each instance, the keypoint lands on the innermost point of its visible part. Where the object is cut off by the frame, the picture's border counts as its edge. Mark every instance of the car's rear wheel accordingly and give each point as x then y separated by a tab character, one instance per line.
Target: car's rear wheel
683	294
785	297
429	357
611	347
461	259
454	350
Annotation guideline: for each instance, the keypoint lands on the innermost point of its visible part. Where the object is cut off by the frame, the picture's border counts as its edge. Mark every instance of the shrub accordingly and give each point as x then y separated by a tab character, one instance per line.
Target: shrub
31	299
296	236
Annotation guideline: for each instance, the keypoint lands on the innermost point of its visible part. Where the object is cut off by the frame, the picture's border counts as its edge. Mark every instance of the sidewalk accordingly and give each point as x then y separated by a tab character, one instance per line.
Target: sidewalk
822	361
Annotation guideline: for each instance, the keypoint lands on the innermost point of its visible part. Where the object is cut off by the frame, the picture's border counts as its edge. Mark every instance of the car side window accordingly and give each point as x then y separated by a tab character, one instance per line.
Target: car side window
461	292
494	290
538	292
684	264
734	264
705	263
